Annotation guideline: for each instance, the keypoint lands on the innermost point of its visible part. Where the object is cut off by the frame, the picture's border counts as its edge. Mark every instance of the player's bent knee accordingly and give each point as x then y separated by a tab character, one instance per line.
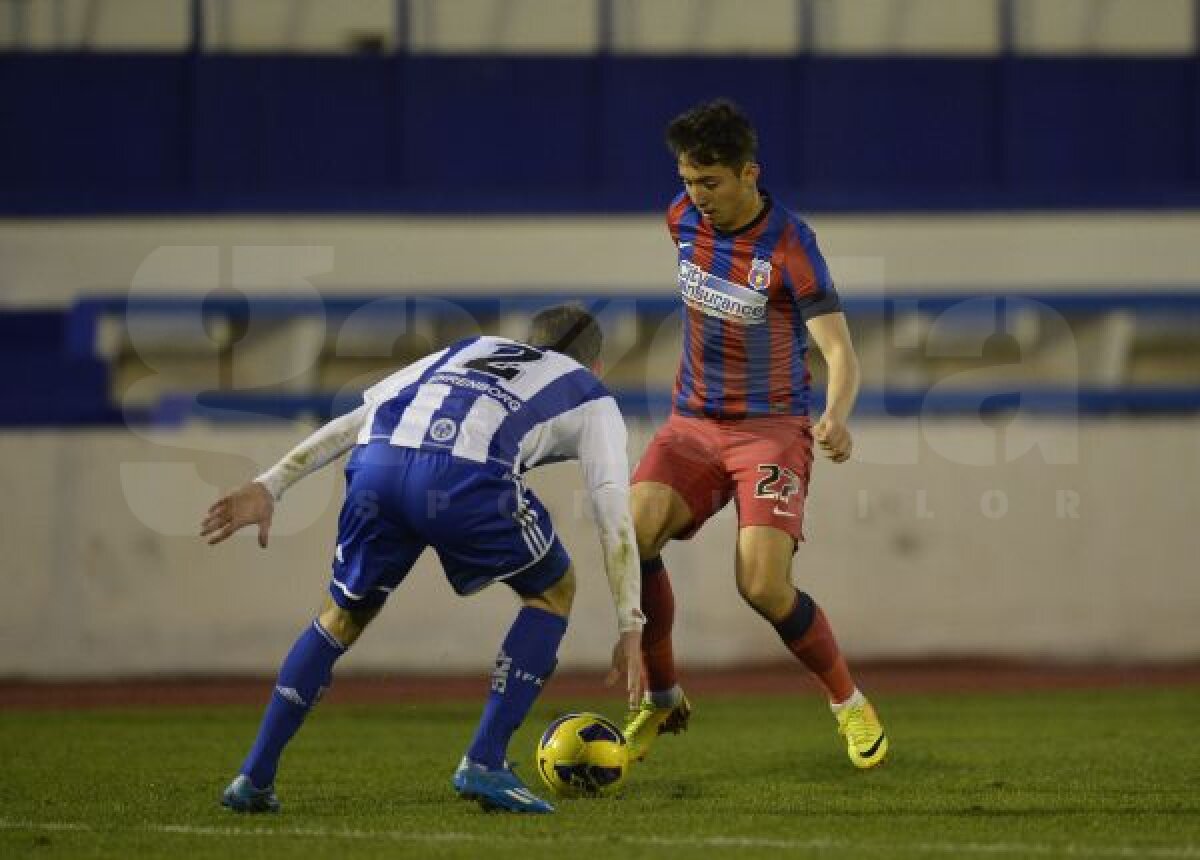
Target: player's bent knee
771	599
659	513
345	625
649	543
562	593
752	591
558	598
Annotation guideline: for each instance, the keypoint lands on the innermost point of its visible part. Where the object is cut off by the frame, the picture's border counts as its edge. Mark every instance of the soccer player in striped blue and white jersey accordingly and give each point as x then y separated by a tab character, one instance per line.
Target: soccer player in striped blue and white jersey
440	448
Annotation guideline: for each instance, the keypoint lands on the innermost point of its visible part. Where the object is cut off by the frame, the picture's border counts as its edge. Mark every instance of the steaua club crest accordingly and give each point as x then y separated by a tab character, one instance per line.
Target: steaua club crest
760	274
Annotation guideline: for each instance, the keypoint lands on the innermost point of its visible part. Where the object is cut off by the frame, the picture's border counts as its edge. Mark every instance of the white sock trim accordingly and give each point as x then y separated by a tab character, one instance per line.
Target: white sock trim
856	699
329	637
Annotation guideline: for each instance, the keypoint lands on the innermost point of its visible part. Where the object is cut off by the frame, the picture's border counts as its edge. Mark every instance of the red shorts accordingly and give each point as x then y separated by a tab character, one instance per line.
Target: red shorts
761	463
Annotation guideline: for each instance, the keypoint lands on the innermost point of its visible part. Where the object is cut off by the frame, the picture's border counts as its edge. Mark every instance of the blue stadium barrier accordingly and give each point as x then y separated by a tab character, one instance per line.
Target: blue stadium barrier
68	343
200	133
45	383
84	316
1031	401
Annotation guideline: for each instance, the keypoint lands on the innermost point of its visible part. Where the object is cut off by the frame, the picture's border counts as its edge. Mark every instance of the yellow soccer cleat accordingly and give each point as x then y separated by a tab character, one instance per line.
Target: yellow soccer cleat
648	722
866	743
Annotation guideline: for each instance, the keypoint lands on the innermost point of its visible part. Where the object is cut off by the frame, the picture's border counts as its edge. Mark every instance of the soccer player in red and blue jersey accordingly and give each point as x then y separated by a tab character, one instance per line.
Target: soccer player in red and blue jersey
755	289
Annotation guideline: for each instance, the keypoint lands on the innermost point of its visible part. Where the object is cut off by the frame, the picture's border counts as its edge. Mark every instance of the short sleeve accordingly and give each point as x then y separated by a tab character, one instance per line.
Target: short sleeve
808	275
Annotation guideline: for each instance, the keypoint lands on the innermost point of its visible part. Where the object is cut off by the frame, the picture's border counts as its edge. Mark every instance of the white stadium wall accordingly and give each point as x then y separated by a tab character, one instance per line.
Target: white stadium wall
573	26
53	261
945	537
1038	539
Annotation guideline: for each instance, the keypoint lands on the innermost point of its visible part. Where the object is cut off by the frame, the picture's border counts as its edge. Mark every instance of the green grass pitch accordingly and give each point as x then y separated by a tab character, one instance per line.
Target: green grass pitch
1079	774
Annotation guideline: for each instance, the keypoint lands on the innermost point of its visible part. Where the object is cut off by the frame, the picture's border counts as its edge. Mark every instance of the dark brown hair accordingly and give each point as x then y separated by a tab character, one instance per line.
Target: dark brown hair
715	132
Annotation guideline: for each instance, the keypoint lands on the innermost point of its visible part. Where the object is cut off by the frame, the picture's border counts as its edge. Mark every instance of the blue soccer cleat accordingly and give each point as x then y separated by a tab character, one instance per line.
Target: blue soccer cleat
242	796
498	789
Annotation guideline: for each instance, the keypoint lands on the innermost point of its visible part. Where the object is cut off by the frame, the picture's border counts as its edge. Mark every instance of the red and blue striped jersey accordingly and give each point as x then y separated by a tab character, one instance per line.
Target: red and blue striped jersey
747	295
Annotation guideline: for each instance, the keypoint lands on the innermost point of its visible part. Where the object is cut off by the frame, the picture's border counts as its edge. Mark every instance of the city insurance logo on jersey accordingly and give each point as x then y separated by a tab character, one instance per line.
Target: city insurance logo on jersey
718	297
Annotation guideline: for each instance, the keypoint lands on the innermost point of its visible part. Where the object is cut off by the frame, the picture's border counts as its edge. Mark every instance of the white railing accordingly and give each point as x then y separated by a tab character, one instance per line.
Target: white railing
763	27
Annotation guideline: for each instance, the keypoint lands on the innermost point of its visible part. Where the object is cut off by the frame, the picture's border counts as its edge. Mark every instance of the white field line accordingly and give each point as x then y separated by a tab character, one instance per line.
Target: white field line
832	845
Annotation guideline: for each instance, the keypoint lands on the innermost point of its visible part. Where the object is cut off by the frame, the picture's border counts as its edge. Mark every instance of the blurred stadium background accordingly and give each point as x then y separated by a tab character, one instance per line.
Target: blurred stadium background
219	220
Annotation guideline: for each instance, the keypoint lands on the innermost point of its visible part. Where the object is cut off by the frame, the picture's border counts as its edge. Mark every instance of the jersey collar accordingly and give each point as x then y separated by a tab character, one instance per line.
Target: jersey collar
753	222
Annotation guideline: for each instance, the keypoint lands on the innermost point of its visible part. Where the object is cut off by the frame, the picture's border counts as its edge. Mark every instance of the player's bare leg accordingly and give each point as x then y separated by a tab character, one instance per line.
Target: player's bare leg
345	625
558	598
763	566
764	561
659	514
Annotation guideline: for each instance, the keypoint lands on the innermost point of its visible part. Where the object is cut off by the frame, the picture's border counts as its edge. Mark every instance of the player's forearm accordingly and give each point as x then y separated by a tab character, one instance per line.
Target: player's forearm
842	390
318	450
624	579
619	545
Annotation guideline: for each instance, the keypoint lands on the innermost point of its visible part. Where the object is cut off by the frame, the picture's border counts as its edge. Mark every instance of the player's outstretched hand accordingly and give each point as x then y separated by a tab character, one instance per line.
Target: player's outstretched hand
627	661
247	505
834	439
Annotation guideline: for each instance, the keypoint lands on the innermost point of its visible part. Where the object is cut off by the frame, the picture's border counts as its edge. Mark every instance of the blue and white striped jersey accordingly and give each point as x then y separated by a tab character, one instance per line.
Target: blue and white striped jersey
494	400
501	404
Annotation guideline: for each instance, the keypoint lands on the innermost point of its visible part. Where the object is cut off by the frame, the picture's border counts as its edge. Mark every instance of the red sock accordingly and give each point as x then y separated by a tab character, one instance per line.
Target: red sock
658	604
807	634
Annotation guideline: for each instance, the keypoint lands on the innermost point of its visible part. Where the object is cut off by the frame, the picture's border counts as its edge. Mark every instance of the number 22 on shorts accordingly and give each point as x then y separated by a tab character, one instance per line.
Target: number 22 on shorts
779	483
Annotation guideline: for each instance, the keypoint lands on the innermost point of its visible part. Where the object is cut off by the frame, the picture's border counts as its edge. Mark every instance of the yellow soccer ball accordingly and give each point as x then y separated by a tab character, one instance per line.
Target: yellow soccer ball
583	755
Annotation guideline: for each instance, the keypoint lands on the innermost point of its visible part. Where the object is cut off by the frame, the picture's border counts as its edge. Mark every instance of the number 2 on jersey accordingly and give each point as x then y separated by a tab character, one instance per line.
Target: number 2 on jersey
506	361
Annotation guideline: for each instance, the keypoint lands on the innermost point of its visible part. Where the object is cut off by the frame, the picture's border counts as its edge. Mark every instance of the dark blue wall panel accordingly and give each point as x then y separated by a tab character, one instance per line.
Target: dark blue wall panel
232	115
1084	122
497	124
71	126
900	124
194	133
287	123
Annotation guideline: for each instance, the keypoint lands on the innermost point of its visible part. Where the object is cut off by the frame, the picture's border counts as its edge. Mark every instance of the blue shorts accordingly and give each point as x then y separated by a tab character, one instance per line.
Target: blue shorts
480	519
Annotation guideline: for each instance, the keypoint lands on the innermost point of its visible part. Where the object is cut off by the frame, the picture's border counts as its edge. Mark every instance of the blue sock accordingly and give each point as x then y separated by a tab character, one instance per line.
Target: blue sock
303	678
525	661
